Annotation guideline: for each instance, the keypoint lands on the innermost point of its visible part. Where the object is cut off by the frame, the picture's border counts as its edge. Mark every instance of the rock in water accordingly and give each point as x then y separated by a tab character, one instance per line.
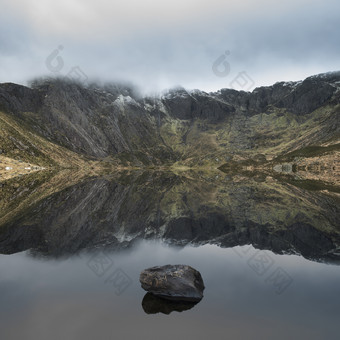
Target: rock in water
173	282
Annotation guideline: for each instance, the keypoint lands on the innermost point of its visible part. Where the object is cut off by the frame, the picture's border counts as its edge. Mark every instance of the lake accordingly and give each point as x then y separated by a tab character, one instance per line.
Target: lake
73	248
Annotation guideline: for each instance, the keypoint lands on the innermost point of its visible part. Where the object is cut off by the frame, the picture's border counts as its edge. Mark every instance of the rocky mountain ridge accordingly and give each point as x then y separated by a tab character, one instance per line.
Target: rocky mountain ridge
191	128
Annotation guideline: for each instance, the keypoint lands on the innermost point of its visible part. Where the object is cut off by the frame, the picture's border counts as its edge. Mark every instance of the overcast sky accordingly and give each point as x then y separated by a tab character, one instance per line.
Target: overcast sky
159	44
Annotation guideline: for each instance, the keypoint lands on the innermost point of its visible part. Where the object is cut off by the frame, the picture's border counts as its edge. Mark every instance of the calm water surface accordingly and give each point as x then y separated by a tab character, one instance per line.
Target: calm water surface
71	260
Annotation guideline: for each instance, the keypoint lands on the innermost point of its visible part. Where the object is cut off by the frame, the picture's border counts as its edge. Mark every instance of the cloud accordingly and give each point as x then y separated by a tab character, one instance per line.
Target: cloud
161	44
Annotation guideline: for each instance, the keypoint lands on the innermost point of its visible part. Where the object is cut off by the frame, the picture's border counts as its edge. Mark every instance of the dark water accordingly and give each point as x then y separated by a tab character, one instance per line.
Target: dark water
268	252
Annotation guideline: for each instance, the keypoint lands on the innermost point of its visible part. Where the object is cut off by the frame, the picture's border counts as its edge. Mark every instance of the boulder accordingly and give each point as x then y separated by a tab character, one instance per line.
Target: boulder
173	282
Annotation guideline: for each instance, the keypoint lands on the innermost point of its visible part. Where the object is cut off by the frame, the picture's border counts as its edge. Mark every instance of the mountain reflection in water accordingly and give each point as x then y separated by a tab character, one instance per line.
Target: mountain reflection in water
60	214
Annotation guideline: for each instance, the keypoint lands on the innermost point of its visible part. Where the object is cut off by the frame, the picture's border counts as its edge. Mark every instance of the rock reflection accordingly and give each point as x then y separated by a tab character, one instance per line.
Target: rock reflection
153	304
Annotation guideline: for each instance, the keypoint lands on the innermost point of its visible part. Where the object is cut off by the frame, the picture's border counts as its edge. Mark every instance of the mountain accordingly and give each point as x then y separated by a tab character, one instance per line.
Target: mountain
178	127
106	167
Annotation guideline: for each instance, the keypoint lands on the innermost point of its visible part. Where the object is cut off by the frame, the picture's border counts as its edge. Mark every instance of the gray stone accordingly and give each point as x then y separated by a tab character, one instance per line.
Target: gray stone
173	282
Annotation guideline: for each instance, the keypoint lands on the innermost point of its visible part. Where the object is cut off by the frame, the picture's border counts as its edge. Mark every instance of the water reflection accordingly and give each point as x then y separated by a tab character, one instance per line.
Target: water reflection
64	298
62	214
153	304
142	219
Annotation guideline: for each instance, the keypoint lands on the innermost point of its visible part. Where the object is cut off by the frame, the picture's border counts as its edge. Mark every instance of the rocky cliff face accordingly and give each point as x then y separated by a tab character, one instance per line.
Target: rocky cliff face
187	127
